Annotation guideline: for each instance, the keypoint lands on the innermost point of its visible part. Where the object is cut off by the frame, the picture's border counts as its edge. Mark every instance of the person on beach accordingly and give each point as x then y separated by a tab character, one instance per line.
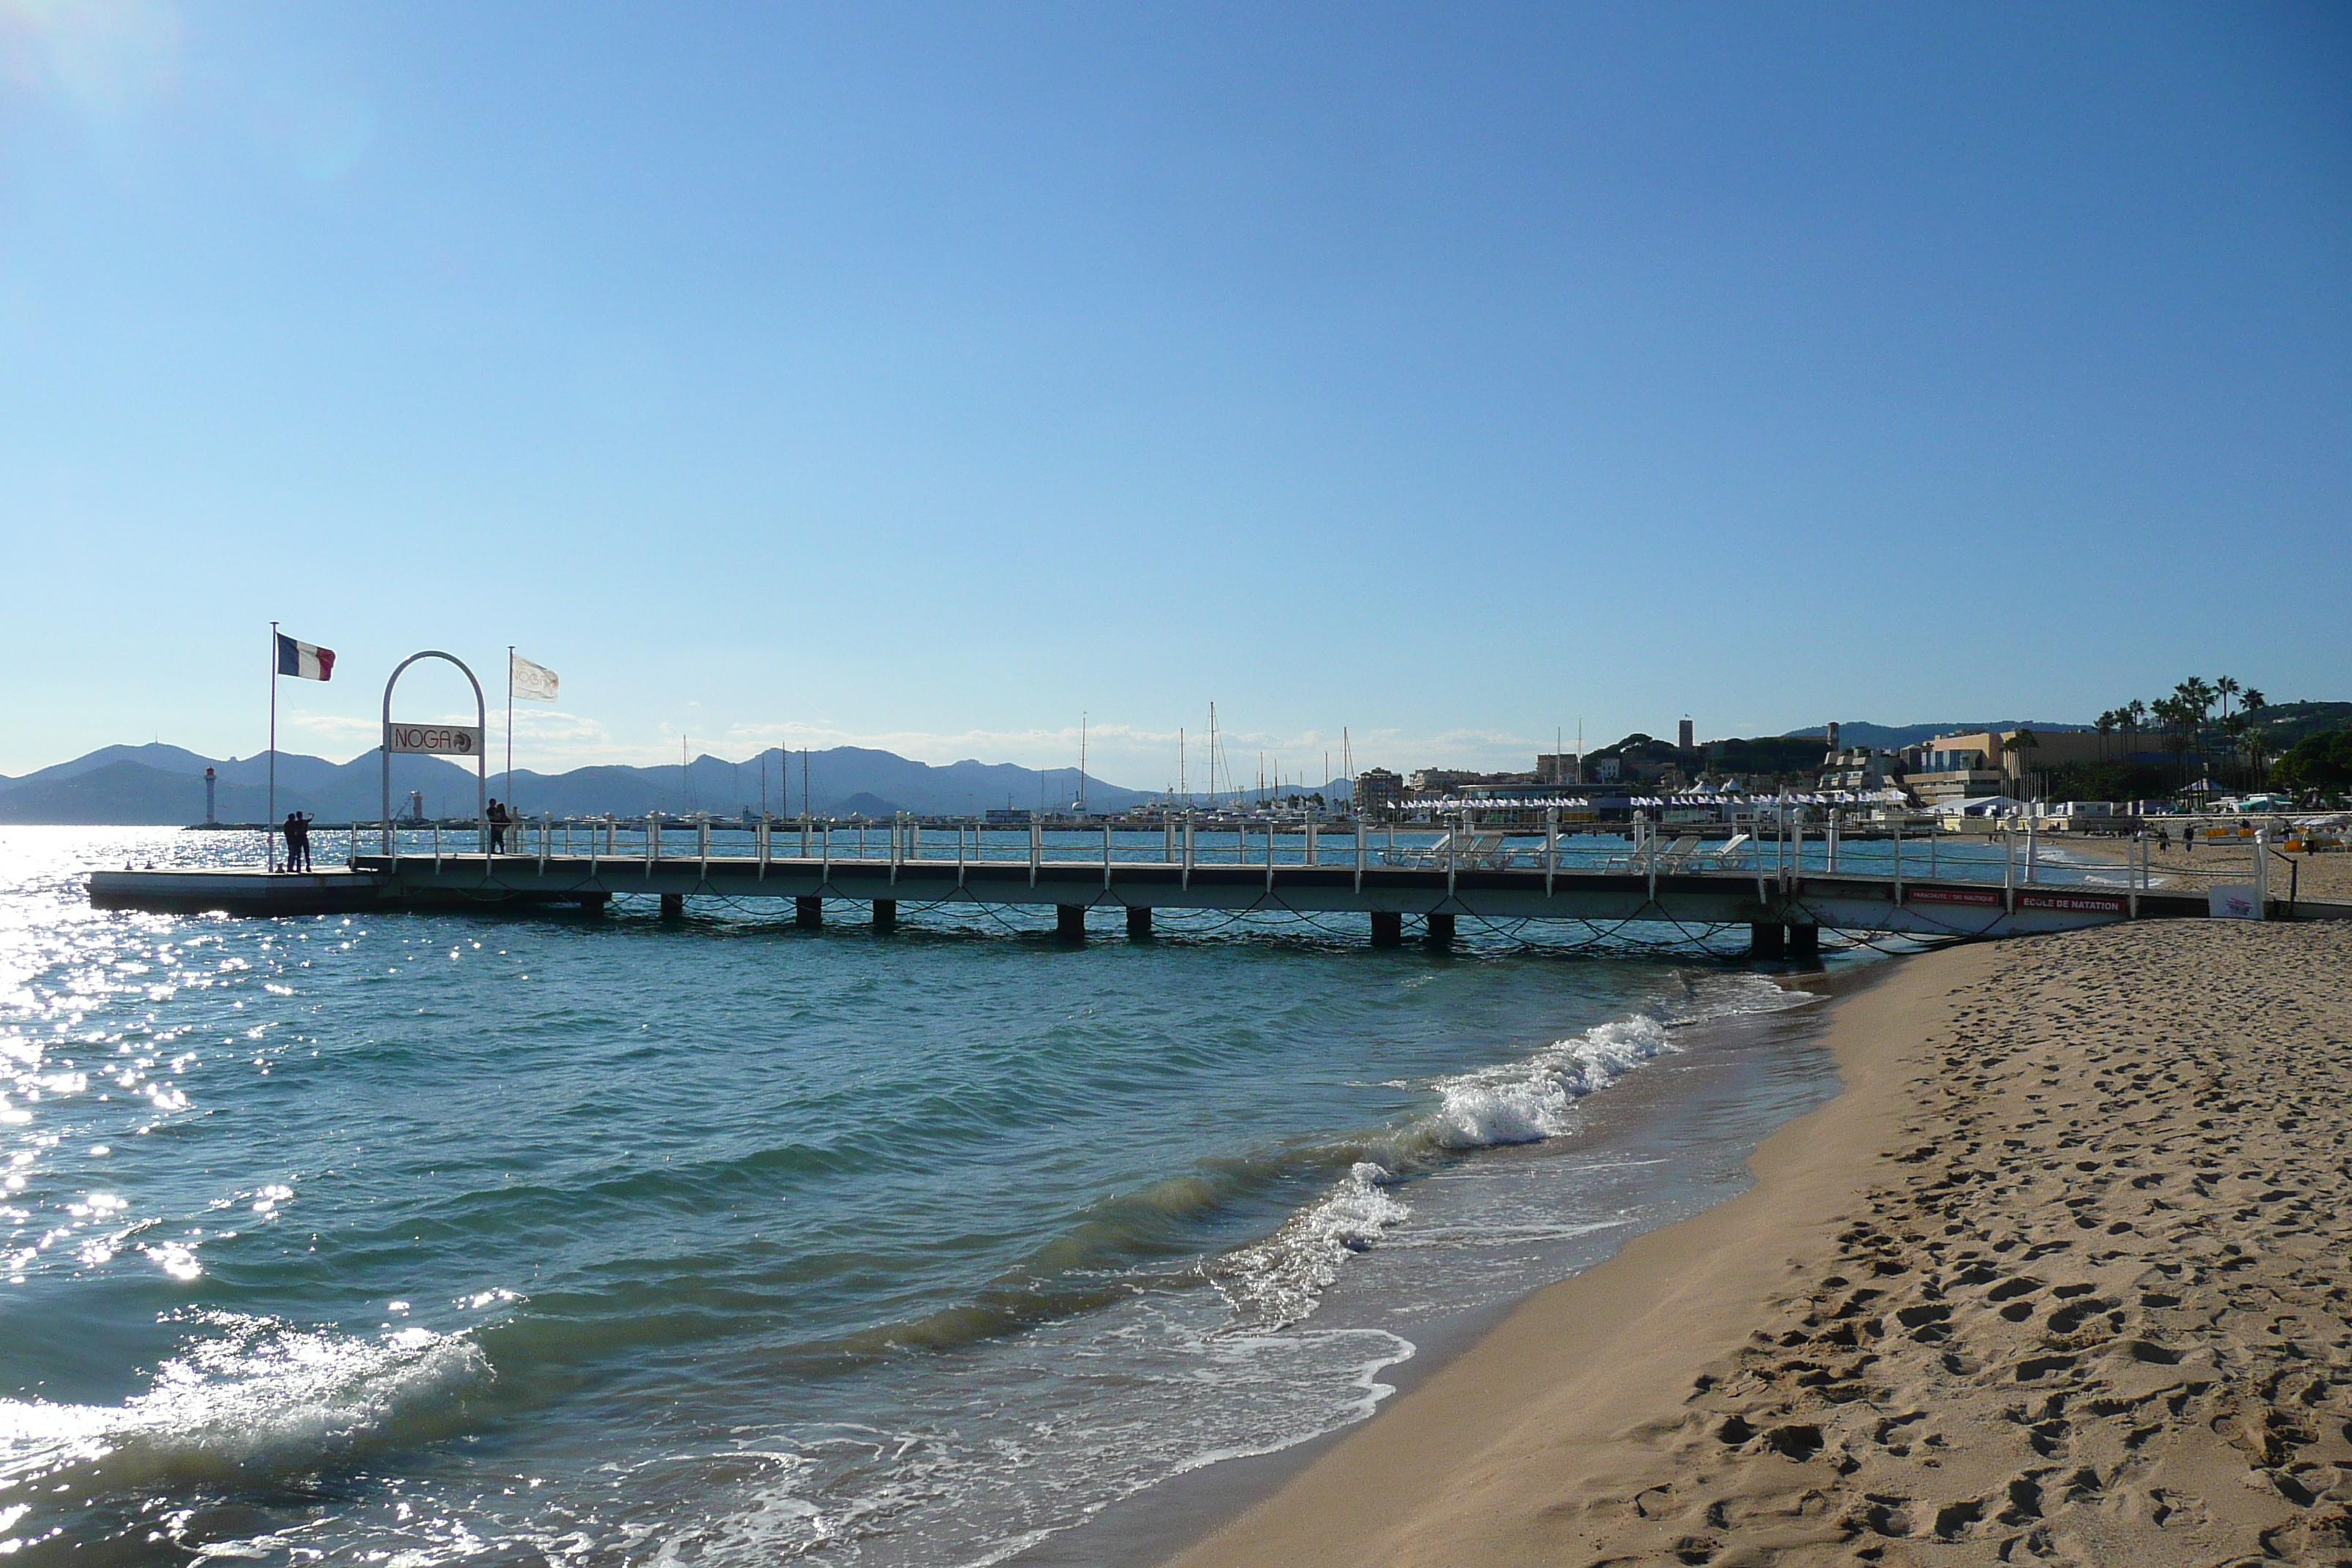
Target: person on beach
498	815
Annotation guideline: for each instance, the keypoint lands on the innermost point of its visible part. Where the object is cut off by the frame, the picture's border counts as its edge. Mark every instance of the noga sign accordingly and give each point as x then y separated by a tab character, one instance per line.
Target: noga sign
441	739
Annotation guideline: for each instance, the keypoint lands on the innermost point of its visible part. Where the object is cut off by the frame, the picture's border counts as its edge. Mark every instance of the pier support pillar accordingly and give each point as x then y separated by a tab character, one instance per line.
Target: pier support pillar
886	914
1139	924
808	913
673	906
1440	928
1070	922
1767	939
594	903
1388	929
1804	941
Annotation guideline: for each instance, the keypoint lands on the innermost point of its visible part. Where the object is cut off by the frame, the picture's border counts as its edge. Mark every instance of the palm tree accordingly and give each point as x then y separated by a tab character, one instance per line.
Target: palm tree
2196	695
2225	688
2256	739
2135	717
2257	753
2177	715
2108	723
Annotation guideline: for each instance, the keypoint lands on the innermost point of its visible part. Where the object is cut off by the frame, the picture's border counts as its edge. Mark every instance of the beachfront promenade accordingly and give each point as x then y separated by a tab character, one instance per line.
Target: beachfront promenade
1782	893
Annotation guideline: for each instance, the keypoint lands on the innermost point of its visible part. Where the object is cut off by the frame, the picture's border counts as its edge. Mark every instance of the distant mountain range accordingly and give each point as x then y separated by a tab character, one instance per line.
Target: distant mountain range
165	784
156	783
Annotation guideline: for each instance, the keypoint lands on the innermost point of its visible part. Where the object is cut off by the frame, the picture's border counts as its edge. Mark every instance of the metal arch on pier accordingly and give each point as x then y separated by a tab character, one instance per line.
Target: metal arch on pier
481	754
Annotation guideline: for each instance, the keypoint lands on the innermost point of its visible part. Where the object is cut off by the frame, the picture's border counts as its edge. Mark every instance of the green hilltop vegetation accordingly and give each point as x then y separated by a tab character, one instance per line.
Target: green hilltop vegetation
2218	729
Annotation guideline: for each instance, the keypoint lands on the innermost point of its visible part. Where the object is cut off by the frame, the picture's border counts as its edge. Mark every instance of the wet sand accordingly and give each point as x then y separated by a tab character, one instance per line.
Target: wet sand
2064	1275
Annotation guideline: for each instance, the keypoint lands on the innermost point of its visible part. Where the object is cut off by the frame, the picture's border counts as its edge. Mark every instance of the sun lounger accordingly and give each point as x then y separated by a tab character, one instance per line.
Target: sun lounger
1677	855
1732	855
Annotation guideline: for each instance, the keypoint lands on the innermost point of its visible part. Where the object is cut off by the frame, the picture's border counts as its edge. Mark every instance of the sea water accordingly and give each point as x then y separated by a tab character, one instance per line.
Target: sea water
579	1240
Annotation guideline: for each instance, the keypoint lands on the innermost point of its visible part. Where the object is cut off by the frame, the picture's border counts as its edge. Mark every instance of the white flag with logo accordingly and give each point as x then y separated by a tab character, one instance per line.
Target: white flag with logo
533	683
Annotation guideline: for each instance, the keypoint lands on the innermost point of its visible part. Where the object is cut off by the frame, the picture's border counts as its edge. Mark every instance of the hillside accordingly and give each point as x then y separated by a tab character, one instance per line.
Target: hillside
2287	722
1894	737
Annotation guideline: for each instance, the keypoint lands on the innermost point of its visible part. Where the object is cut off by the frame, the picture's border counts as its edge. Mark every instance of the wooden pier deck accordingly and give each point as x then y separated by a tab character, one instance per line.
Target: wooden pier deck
1783	911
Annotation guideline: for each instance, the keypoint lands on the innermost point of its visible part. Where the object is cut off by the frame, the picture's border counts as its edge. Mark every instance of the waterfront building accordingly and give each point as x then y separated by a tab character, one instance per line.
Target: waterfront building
1860	768
1377	793
1559	768
1426	781
1982	763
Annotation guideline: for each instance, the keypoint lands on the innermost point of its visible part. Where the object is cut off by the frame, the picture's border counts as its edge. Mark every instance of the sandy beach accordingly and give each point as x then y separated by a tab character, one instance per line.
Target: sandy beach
2064	1275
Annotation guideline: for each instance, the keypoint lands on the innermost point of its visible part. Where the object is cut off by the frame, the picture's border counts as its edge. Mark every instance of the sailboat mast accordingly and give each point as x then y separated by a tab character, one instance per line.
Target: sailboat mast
1212	756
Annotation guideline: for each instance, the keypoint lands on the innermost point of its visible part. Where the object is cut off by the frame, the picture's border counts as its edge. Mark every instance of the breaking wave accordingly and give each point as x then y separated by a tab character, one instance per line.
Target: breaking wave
1529	1101
1279	1280
251	1397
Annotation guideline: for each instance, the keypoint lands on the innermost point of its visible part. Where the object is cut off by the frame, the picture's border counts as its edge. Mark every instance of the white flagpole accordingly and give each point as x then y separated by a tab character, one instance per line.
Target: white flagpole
268	844
511	647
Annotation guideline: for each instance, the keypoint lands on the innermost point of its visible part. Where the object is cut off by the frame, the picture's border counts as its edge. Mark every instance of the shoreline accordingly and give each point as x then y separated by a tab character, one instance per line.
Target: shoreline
1375	1479
1929	1330
1640	1118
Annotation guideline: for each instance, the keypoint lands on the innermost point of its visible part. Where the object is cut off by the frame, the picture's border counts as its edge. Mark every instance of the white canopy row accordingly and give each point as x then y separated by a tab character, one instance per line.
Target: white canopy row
1685	798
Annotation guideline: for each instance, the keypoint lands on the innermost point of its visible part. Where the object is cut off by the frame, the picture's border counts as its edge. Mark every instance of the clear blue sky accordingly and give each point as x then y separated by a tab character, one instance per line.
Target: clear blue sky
926	376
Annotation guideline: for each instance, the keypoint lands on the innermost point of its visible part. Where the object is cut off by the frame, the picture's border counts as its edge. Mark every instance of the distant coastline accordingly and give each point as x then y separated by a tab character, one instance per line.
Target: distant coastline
161	785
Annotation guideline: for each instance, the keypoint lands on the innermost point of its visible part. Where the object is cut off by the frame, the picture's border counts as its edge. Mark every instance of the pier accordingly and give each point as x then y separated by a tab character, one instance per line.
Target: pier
1781	894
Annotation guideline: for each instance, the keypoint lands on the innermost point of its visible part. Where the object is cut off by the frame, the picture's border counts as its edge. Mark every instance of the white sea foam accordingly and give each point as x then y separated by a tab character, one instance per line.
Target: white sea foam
1187	1392
1531	1098
1528	1100
251	1395
1277	1280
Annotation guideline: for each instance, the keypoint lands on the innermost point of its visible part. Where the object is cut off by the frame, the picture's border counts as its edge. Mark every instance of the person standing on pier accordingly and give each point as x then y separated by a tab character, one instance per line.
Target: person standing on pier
498	815
298	841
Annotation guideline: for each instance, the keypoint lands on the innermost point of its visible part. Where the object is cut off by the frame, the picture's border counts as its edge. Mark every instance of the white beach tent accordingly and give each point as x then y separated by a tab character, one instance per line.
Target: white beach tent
1978	805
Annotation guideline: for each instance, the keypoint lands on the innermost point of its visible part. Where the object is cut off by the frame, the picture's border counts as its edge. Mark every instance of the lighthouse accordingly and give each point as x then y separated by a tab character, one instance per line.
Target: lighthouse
212	819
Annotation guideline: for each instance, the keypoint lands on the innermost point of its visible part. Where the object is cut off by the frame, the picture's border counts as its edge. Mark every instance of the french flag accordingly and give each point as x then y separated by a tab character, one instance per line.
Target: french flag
303	660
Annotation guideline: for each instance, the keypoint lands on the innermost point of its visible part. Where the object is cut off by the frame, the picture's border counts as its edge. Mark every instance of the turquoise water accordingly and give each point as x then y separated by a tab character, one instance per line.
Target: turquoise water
435	1238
